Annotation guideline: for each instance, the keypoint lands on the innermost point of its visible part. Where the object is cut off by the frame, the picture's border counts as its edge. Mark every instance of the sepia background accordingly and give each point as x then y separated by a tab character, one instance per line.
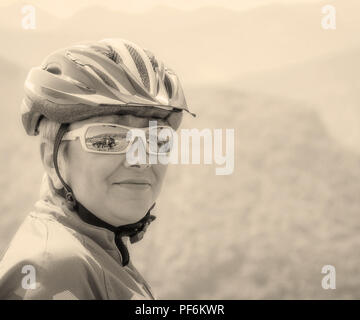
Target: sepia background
291	91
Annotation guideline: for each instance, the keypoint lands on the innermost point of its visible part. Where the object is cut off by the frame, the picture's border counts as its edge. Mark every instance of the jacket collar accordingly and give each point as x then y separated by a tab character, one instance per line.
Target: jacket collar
82	220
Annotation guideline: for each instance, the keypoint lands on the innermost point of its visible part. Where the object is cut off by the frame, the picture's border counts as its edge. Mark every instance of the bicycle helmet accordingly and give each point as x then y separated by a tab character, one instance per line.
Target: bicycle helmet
111	76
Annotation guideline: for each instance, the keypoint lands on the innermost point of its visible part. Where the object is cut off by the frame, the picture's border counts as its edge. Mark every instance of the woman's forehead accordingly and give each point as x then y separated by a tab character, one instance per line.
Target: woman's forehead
126	120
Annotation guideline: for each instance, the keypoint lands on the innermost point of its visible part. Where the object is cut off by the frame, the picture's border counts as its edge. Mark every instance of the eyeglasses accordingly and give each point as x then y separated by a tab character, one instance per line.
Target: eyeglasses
110	138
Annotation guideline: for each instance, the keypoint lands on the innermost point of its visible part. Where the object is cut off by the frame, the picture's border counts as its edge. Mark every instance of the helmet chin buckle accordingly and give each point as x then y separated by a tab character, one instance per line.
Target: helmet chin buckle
70	198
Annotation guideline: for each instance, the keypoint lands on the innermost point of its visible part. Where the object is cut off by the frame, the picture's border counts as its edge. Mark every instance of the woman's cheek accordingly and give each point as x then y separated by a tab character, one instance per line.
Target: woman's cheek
79	168
101	171
159	172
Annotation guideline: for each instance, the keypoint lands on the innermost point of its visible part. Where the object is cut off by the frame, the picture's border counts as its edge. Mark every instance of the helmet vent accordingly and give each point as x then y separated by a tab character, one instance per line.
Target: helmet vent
112	55
168	85
140	65
152	59
53	68
104	77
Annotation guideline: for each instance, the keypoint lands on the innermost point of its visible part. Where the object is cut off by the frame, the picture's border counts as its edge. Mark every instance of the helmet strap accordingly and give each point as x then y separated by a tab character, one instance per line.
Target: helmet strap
134	231
68	193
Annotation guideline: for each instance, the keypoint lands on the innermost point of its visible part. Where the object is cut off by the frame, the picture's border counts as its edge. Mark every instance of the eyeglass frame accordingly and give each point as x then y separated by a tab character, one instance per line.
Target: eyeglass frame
81	132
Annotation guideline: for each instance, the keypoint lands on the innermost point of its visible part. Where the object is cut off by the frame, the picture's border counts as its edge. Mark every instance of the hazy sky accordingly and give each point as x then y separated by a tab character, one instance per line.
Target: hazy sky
64	8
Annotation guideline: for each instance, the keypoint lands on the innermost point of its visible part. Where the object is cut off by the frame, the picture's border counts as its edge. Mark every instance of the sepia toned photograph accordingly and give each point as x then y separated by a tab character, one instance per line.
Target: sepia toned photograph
180	150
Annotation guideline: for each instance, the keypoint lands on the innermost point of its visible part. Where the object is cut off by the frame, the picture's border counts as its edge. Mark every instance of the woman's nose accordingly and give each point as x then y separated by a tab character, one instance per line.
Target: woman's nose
137	156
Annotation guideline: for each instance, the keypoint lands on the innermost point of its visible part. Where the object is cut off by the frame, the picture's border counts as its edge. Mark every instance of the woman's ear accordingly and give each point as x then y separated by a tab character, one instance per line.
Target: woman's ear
46	154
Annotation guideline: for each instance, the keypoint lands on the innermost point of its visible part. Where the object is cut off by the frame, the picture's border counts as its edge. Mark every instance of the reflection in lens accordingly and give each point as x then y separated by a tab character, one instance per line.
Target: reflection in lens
106	138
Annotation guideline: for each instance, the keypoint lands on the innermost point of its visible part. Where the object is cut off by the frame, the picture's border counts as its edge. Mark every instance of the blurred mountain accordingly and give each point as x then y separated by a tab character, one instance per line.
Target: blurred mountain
19	161
12	78
315	80
204	45
330	83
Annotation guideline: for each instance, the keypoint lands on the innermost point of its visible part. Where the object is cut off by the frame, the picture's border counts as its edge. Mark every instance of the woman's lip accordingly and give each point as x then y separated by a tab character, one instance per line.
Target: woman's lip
134	182
133	185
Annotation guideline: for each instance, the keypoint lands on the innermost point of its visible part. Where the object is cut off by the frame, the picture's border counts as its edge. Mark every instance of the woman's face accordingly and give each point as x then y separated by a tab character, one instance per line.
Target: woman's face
107	185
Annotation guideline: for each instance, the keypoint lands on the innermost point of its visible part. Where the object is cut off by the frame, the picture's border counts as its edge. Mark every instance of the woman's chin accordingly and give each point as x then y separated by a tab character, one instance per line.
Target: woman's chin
132	211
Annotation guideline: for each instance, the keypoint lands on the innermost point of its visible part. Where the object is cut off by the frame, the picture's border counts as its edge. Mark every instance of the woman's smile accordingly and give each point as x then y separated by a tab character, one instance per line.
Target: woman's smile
136	185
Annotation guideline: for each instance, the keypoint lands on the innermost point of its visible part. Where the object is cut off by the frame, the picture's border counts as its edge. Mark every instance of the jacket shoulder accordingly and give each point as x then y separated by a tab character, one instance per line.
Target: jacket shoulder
46	260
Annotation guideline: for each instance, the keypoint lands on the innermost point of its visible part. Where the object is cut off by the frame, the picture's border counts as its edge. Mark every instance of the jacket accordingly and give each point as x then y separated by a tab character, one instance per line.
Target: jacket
56	255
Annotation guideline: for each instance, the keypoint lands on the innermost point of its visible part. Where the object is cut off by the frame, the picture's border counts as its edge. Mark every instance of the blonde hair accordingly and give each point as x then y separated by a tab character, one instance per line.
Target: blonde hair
48	130
47	134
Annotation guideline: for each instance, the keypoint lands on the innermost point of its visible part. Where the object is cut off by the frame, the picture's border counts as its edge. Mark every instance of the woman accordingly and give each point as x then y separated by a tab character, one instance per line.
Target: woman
85	102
